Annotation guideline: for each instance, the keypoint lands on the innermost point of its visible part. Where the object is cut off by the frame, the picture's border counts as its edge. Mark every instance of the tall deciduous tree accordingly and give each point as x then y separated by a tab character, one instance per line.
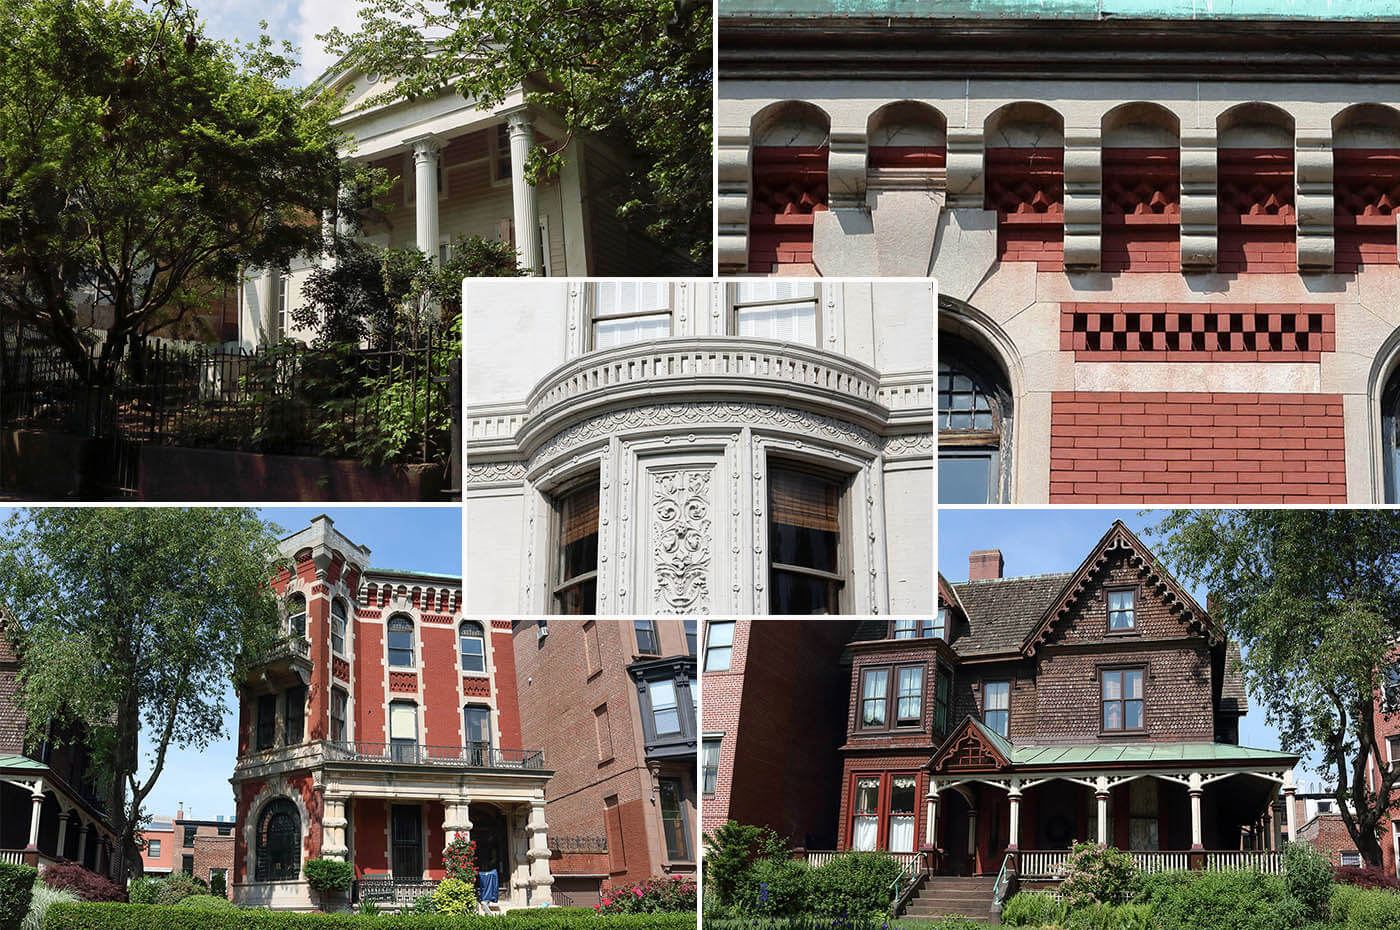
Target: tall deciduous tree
1314	599
143	165
130	622
637	71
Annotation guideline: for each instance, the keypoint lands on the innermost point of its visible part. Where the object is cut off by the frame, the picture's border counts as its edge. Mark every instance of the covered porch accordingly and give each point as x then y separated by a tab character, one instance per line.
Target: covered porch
44	820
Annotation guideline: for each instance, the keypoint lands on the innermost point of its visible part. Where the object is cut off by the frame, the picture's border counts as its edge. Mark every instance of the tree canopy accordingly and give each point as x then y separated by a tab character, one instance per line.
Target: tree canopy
1314	599
638	72
129	624
143	165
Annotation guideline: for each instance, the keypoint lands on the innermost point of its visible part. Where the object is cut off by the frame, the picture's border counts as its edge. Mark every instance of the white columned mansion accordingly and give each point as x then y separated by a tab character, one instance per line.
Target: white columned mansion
690	446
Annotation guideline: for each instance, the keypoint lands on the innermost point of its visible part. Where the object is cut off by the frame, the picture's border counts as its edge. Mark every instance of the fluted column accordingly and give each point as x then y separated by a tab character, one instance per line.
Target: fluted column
270	334
527	217
333	823
427	152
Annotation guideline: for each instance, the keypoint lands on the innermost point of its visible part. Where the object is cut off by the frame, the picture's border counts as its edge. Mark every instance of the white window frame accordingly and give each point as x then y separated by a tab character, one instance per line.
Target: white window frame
736	305
665	306
284	303
729	658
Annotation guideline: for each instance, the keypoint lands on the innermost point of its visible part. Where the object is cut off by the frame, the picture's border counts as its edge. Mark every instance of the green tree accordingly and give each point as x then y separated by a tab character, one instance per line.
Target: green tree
142	166
129	623
637	72
1313	596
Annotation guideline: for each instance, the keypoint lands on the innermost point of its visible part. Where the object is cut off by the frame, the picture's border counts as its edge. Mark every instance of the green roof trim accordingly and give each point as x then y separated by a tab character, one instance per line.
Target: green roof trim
1001	743
1144	754
1318	10
9	761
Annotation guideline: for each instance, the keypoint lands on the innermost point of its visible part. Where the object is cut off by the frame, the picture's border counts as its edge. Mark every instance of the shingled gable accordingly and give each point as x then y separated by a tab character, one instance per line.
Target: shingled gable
950	594
971	747
1119	537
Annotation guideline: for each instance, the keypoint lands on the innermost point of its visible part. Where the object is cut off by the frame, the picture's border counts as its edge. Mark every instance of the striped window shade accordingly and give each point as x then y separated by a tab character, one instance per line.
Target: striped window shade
802	500
579	515
784	310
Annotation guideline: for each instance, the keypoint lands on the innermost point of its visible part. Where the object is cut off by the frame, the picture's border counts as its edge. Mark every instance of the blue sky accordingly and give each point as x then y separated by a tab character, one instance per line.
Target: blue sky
1034	542
298	22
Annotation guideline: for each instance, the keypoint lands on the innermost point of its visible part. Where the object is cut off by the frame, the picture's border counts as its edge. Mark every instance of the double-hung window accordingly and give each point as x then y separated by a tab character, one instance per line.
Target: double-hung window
338	624
903	799
1122	699
400	642
576	588
942	691
625	312
471	642
709	766
804	542
874	698
865	827
719	645
665	710
909	696
996	706
646	638
781	310
1121	616
339	706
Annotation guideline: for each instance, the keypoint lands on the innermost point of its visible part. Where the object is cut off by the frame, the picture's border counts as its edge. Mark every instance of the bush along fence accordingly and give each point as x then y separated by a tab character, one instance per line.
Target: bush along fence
147	917
390	405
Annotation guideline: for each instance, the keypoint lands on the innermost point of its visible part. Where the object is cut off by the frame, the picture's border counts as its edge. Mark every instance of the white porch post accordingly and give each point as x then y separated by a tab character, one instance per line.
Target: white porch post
334	823
1289	811
931	820
427	152
269	306
38	798
527	217
540	879
1014	796
457	820
1101	797
1195	790
63	834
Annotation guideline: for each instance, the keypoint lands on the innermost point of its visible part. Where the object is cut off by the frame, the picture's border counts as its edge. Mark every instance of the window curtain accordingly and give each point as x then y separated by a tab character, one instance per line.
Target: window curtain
864	835
902	833
579	517
802	500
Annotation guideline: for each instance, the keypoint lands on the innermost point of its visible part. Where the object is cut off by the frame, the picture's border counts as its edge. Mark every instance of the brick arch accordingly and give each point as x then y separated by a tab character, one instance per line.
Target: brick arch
1141	164
1365	185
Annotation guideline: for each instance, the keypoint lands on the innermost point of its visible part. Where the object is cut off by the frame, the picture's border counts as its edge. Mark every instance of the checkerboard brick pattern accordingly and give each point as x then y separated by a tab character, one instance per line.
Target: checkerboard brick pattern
1141	210
1026	187
1217	332
1108	447
1256	213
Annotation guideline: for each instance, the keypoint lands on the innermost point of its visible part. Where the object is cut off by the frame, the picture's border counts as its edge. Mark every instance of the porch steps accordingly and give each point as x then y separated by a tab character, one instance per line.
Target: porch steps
942	895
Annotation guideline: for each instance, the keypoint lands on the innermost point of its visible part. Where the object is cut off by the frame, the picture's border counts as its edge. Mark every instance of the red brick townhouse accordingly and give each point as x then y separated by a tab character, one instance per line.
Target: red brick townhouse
1032	712
384	726
203	848
614	704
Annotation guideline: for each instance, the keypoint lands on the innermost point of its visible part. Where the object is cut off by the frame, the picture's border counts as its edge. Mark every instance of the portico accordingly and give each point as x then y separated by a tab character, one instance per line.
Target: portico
44	820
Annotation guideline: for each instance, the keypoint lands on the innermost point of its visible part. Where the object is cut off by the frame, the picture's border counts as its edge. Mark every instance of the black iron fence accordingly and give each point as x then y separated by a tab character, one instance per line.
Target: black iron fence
393	404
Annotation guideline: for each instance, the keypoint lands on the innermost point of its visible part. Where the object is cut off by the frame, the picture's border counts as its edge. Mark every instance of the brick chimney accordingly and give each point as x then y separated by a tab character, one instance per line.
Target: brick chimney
984	565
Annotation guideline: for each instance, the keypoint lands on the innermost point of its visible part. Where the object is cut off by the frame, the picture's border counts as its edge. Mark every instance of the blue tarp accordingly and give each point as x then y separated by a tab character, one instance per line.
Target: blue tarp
487	886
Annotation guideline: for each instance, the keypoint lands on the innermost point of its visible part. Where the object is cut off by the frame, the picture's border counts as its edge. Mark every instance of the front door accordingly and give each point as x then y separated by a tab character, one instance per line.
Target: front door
408	841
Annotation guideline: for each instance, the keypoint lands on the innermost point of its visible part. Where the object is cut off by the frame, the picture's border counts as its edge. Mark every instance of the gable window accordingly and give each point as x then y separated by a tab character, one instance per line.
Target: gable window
277	844
719	645
577	589
909	703
673	819
338	627
996	706
400	642
471	641
1122	699
1121	617
901	824
873	700
782	310
296	615
646	637
865	827
804	542
665	712
267	721
942	690
403	731
339	704
625	312
296	716
709	766
690	630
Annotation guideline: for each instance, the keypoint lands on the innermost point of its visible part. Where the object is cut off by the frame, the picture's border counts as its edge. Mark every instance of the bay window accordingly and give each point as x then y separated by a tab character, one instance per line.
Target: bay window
804	542
902	807
576	586
865	827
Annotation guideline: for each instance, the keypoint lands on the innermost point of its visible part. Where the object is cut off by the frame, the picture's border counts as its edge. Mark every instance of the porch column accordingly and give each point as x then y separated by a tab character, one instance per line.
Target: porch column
269	306
333	844
83	831
38	798
527	218
1195	791
63	834
1014	797
931	820
427	152
540	879
1101	796
457	820
1289	812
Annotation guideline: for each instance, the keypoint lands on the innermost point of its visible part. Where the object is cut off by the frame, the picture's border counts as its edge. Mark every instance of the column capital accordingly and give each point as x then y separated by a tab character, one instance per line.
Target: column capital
518	119
425	148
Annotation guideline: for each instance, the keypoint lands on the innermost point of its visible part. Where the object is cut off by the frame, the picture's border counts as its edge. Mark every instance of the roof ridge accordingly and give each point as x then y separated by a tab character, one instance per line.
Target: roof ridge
1013	578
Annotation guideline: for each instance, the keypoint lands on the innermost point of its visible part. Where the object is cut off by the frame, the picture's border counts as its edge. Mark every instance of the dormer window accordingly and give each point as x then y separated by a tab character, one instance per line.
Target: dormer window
1121	616
996	706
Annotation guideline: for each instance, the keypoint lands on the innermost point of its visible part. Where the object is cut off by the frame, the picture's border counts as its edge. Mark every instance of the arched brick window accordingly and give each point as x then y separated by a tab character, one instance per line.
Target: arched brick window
1366	185
296	615
471	640
400	630
277	846
974	424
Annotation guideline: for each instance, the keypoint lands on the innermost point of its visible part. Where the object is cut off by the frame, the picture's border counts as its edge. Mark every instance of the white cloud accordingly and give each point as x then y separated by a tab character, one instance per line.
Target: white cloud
316	17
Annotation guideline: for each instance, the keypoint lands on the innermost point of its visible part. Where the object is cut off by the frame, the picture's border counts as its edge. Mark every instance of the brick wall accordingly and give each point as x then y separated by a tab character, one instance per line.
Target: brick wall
1196	448
1141	210
790	186
1214	332
1026	187
1328	834
1366	184
213	852
1256	216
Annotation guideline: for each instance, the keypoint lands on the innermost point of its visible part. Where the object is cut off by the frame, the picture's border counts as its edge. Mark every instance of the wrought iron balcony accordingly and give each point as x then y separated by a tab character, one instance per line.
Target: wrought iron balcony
473	755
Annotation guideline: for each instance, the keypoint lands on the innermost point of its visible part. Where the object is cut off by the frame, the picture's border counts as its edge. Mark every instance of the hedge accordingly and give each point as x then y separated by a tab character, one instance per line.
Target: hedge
155	917
1365	908
16	889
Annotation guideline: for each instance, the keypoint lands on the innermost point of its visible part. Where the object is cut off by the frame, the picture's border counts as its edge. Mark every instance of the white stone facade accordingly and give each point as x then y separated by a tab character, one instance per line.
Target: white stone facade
681	432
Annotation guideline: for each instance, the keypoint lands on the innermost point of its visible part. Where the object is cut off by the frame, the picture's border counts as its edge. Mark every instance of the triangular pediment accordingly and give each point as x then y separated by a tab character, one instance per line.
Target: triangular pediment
971	747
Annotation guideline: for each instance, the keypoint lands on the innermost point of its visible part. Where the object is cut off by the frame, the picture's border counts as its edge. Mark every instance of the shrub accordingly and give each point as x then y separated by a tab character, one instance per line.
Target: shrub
459	859
730	851
854	885
84	916
1308	878
454	896
957	922
16	891
424	905
1032	909
207	902
1235	899
776	888
369	907
1099	916
44	898
1365	876
1098	874
89	886
653	896
1364	908
143	890
176	887
328	874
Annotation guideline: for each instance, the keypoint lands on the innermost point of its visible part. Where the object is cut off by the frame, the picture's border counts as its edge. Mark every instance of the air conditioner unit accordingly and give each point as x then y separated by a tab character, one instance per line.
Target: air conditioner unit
541	631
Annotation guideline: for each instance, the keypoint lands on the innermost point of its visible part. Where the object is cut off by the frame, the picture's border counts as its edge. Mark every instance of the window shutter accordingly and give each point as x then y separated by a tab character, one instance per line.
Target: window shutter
801	500
579	515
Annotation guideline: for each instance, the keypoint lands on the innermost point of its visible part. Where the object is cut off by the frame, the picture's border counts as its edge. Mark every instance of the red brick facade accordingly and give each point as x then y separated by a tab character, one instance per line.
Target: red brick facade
1215	332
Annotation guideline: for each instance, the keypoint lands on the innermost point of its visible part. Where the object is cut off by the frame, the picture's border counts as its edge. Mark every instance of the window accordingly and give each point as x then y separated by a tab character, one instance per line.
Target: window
403	731
153	849
1390	688
283	320
592	653
974	425
783	310
218	873
190	833
804	543
477	726
646	637
625	312
996	706
296	615
339	705
902	806
1120	611
187	864
400	642
577	588
225	829
690	629
938	627
1122	699
665	712
673	819
874	702
909	697
719	644
603	731
1393	747
267	721
905	629
709	766
942	688
471	641
865	828
1351	858
338	627
501	158
296	716
277	843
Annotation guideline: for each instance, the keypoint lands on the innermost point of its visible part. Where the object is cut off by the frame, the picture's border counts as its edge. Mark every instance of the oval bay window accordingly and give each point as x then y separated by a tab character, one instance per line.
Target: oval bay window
974	426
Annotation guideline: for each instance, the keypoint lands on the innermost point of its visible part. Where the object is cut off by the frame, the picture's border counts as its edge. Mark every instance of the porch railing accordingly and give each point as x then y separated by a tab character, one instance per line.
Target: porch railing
910	862
1161	861
1048	865
474	755
394	892
1262	860
12	856
1042	864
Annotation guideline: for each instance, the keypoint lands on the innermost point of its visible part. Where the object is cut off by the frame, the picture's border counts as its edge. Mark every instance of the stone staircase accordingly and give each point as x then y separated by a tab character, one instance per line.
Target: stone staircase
941	895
